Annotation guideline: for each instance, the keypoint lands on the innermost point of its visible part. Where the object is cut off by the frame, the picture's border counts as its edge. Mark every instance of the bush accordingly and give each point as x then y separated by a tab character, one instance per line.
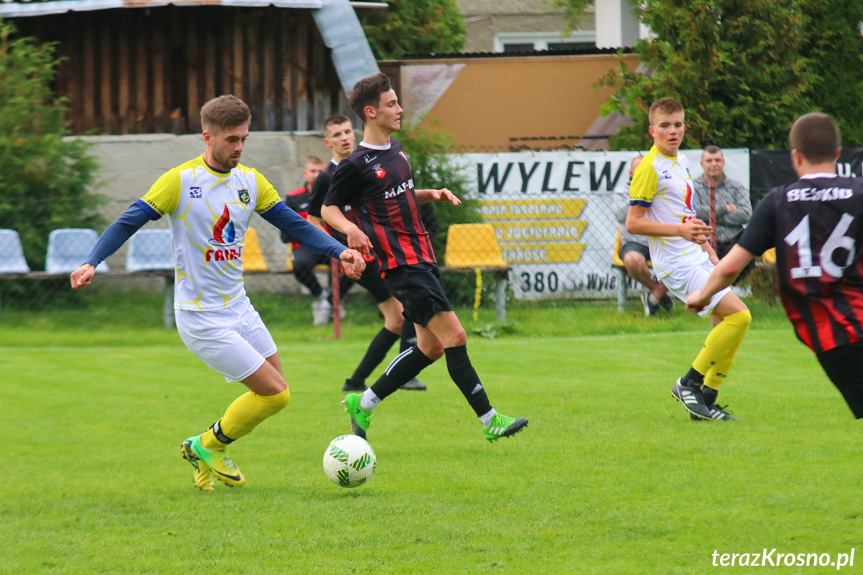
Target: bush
46	179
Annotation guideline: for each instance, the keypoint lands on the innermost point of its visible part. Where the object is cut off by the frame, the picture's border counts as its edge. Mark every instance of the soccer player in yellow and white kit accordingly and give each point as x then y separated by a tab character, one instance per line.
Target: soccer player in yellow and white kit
661	207
210	201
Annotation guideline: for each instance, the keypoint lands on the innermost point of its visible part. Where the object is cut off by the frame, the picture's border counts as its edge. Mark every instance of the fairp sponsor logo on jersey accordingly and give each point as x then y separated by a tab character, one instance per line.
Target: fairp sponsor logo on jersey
224	236
399	190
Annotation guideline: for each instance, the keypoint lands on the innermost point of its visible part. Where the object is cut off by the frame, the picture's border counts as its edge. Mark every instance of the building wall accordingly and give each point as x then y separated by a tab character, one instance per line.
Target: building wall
485	18
139	71
508	103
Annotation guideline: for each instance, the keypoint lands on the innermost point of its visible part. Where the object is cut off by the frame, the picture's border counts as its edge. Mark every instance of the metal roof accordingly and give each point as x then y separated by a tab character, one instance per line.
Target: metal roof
19	8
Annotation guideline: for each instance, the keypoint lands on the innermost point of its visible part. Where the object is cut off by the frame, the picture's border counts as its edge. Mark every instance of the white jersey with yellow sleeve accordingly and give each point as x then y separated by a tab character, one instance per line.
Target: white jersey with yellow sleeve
209	214
663	185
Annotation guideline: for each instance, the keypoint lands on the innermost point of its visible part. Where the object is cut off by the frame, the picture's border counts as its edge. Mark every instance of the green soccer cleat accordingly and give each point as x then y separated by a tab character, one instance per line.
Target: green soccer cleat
503	426
360	418
217	462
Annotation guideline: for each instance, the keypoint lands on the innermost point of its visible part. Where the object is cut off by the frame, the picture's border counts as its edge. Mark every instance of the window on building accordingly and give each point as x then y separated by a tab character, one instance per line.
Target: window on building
529	41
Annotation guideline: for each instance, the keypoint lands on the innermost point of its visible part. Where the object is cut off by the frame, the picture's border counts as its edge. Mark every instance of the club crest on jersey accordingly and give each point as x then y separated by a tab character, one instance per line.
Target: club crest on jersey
379	172
244	196
194	193
224	233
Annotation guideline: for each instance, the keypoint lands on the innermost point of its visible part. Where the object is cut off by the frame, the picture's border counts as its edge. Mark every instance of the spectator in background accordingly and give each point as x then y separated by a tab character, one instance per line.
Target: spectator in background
635	254
733	207
305	260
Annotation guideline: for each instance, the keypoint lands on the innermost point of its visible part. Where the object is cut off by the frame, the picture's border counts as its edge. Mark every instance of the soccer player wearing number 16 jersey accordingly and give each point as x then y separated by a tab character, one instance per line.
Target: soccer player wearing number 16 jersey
816	226
377	181
209	202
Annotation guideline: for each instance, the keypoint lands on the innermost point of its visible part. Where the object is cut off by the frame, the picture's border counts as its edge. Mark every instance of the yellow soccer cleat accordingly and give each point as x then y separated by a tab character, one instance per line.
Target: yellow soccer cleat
217	463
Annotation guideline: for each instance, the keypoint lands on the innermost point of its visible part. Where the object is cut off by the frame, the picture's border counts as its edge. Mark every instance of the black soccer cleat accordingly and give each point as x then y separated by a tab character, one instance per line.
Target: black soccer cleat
691	399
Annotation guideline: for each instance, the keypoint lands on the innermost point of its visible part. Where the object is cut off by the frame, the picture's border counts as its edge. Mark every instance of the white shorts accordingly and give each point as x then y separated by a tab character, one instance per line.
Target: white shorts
685	280
234	341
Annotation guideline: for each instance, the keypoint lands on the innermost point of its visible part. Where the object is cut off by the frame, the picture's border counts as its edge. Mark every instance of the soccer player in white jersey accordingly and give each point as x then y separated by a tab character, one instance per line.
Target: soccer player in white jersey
661	207
210	201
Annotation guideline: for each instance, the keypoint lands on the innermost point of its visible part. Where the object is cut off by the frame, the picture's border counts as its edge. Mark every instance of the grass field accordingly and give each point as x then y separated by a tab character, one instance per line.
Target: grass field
611	476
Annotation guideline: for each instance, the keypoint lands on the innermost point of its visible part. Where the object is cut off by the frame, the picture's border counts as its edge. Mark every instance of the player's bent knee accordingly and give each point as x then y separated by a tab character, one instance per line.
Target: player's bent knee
277	402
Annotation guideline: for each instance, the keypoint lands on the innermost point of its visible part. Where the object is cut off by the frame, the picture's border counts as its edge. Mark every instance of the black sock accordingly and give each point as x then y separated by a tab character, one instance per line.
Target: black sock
464	375
375	354
403	368
409	335
709	394
692	378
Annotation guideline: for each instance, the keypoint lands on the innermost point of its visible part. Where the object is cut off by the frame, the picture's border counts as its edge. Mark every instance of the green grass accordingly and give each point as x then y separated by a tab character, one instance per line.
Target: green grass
610	477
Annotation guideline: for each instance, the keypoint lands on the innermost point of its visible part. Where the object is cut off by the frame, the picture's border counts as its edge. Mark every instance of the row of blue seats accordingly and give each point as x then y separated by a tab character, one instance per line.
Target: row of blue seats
149	250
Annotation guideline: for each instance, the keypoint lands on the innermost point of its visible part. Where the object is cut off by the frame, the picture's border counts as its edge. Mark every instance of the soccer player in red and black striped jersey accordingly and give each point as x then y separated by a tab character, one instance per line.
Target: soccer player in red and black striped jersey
340	138
816	226
377	182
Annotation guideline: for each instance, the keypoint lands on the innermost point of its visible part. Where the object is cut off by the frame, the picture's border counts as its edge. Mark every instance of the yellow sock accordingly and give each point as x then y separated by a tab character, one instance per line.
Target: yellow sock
242	416
720	347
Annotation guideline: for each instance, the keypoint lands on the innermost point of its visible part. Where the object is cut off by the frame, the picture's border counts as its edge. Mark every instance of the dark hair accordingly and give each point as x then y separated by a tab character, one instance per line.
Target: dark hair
711	149
335	120
816	136
664	106
224	112
367	92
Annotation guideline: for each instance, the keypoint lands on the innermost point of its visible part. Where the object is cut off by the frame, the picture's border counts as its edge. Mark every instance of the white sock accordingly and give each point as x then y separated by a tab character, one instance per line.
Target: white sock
369	400
485	418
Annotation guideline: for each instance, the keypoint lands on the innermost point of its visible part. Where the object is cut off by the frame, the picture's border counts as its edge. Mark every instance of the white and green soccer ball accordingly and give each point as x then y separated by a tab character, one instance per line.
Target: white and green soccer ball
349	461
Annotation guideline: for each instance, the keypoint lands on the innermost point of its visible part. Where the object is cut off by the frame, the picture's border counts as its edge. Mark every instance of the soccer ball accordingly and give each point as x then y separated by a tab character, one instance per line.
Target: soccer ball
349	461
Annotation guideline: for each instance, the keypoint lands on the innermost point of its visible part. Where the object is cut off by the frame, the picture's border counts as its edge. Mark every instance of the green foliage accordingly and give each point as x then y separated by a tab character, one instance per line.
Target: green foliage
573	10
835	50
46	179
737	67
414	27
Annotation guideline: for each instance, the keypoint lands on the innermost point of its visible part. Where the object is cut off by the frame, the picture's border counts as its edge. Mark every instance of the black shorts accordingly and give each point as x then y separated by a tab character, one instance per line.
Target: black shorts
373	282
631	246
844	366
420	289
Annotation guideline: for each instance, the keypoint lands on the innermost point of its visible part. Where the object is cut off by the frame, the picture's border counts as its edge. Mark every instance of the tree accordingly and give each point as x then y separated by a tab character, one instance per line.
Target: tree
414	27
573	10
45	179
737	67
834	46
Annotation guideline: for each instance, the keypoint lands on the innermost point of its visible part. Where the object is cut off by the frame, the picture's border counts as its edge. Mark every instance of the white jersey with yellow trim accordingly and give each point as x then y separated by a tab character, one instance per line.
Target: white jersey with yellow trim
209	214
663	185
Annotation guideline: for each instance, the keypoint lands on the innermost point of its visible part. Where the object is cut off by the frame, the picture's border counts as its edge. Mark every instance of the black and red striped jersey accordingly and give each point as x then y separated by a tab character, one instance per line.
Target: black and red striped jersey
319	192
816	226
298	200
377	182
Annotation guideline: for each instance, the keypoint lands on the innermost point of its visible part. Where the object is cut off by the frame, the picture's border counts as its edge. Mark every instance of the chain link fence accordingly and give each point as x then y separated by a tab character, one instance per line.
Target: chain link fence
547	220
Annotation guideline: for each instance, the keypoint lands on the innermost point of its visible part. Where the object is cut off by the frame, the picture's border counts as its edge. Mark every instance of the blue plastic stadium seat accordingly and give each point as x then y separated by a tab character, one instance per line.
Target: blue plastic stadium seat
150	250
11	255
68	248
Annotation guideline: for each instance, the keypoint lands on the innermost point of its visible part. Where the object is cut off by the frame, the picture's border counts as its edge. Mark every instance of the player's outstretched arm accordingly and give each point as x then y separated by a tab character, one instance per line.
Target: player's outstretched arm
357	240
441	195
301	231
722	276
109	242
